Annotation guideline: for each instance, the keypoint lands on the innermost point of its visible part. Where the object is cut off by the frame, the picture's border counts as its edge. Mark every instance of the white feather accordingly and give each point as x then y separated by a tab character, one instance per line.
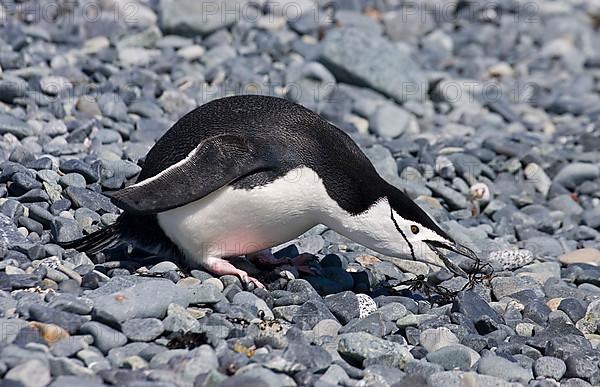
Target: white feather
232	221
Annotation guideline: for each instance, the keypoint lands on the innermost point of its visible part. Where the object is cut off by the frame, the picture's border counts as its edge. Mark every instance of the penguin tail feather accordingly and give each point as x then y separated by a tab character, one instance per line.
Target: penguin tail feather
97	241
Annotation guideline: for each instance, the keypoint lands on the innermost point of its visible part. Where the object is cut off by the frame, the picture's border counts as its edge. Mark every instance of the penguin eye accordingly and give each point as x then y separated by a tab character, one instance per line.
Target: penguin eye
414	229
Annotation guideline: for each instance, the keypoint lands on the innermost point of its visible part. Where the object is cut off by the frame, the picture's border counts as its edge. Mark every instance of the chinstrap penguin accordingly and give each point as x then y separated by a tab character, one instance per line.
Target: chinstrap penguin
241	174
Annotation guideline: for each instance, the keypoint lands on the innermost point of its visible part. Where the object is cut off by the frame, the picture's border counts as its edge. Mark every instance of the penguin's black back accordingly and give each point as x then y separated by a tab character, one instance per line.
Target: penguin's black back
288	134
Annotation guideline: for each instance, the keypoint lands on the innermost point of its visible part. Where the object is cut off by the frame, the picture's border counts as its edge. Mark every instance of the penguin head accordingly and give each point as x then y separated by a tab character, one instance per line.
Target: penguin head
420	237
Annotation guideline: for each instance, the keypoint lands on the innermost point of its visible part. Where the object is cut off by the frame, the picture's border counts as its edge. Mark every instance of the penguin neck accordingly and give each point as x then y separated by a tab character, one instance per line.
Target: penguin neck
373	228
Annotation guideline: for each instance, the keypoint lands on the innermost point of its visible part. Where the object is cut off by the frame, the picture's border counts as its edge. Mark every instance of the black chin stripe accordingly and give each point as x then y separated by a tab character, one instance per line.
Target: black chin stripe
412	251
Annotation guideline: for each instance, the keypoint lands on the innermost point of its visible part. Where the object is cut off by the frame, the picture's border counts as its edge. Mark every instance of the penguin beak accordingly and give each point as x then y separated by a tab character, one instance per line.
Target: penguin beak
456	248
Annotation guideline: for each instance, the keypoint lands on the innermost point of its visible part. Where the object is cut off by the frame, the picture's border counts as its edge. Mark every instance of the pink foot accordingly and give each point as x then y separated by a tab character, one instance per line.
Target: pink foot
222	267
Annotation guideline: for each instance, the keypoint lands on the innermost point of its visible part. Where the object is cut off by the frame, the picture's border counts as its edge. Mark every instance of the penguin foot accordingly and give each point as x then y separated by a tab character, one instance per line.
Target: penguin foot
300	263
266	258
222	267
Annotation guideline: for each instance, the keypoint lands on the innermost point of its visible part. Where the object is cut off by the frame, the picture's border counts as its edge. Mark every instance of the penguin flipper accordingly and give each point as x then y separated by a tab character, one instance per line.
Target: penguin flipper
214	163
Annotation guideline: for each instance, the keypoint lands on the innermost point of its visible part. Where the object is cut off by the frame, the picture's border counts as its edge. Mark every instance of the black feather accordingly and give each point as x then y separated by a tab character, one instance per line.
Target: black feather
142	231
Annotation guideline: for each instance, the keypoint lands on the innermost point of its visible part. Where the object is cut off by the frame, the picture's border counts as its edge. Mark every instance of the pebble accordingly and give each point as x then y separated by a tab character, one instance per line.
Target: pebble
65	230
390	121
454	356
148	299
434	339
576	173
179	320
583	365
78	166
514	175
345	306
32	373
358	69
246	298
69	321
573	308
509	259
142	329
104	336
361	346
182	18
366	305
504	286
14	126
549	367
587	255
310	313
503	368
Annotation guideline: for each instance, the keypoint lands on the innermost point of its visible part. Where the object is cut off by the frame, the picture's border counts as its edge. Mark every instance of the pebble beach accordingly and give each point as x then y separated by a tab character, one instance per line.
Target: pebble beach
487	114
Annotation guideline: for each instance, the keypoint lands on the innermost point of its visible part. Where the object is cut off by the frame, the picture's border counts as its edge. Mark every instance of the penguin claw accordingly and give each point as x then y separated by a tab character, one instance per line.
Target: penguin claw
293	266
310	270
265	257
246	279
288	274
302	260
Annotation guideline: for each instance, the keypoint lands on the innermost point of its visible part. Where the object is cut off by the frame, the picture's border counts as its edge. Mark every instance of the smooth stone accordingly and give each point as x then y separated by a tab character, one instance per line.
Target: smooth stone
505	286
255	375
78	166
76	381
312	357
434	339
503	368
390	121
68	321
345	306
583	365
454	356
14	126
163	267
573	308
215	282
247	298
458	378
476	309
201	294
310	313
393	311
65	230
142	329
32	373
549	367
574	174
69	346
71	303
393	73
149	298
587	255
361	346
55	85
179	320
182	17
82	197
199	361
373	324
105	337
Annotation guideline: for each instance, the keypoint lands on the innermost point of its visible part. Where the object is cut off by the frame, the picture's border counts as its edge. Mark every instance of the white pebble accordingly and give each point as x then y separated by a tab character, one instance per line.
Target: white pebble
366	305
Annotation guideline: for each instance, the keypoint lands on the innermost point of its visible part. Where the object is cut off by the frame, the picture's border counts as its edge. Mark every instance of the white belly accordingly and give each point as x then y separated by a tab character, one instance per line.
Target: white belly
232	222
